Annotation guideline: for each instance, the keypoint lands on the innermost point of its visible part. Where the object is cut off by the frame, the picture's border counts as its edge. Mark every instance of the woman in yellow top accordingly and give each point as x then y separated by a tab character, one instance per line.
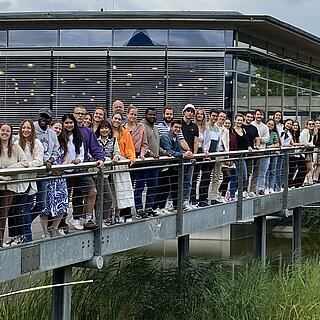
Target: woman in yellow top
121	180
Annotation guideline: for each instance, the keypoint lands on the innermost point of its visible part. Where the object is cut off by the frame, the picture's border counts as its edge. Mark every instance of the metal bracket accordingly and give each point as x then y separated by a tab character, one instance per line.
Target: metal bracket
30	259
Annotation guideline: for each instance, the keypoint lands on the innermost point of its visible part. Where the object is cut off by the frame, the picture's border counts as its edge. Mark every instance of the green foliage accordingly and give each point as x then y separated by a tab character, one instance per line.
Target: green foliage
141	288
311	218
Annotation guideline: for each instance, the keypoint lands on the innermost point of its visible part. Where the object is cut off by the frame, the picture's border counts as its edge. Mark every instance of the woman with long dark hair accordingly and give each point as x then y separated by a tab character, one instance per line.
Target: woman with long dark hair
111	152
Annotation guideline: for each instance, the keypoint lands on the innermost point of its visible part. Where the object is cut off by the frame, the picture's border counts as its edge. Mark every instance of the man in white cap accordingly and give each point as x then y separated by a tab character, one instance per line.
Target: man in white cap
190	132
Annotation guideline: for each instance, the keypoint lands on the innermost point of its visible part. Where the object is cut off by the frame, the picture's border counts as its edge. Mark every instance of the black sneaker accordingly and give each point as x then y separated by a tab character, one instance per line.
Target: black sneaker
141	215
152	213
90	225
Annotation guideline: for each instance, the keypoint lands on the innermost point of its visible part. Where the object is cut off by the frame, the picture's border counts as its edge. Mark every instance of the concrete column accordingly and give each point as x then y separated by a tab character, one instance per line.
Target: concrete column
260	238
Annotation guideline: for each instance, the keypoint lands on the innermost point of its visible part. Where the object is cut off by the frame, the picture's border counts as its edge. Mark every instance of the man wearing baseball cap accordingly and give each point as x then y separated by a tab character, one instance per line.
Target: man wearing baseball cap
191	133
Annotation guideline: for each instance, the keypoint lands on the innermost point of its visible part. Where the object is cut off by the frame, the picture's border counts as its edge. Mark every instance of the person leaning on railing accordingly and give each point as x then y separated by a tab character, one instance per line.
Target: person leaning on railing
169	142
11	156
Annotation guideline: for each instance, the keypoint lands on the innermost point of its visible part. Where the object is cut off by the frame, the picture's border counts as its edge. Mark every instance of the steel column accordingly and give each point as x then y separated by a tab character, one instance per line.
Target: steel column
297	225
183	250
61	296
260	238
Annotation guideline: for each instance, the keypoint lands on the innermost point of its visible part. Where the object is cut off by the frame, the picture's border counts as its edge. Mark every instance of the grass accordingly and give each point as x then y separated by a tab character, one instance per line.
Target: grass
141	287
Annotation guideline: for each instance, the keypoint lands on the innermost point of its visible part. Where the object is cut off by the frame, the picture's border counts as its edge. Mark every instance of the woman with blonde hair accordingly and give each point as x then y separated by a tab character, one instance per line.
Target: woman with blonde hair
99	114
20	218
11	156
200	119
122	182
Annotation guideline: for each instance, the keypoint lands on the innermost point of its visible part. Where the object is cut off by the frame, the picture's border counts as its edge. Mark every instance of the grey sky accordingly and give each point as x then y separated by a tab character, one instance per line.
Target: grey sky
300	13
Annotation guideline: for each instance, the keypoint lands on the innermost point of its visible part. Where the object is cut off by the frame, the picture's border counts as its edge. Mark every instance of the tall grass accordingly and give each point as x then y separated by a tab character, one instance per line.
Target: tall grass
146	288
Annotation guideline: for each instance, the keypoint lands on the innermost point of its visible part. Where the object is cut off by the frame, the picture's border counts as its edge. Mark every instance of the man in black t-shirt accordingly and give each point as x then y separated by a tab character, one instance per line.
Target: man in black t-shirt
190	132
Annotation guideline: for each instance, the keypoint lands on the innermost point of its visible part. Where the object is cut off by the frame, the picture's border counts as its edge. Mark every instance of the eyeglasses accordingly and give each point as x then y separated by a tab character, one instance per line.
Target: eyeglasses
80	113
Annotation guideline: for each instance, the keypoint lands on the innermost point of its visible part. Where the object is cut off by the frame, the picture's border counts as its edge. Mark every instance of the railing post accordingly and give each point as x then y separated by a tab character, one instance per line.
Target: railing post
99	212
285	183
240	189
61	296
297	226
183	240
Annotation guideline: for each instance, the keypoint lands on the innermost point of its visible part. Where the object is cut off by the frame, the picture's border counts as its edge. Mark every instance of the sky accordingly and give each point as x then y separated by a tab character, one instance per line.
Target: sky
303	14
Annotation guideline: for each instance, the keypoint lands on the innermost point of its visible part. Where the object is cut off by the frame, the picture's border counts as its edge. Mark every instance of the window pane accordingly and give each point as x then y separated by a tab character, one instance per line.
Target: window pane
274	97
242	93
196	38
140	37
290	76
275	72
3	38
86	38
33	38
290	101
229	38
259	68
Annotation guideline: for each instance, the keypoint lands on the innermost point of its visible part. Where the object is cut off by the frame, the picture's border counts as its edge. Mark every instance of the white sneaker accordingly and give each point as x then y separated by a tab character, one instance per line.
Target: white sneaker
45	236
76	224
245	194
164	212
60	232
129	220
271	191
122	220
251	194
169	205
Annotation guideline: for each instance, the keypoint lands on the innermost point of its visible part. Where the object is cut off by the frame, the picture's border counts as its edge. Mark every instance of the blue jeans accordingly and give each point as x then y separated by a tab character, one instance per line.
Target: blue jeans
150	178
27	218
279	173
264	165
271	174
41	198
234	177
187	182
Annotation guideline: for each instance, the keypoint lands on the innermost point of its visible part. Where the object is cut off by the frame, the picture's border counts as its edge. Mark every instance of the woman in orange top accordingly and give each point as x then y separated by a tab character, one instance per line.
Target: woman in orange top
122	181
124	138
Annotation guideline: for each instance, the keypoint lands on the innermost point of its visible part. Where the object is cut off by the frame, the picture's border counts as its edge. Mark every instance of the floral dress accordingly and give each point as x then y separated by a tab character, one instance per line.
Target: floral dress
57	193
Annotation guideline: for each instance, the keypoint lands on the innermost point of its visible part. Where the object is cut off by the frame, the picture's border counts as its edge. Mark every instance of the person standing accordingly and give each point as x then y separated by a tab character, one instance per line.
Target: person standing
219	143
148	176
204	167
263	138
190	132
84	190
253	140
49	142
11	156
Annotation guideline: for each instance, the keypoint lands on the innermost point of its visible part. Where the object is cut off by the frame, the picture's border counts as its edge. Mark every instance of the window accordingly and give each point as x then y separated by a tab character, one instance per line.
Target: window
85	38
196	38
140	37
33	38
3	38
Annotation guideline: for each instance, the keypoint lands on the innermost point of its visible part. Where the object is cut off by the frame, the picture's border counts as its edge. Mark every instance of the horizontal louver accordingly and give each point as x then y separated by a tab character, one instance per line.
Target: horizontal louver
144	79
24	87
139	81
199	81
79	81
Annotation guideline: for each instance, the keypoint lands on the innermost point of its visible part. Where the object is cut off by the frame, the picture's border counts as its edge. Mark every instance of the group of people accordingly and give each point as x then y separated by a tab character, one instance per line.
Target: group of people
81	137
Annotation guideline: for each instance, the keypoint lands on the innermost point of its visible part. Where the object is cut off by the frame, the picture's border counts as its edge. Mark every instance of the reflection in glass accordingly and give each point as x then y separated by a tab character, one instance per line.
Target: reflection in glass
242	93
274	97
86	38
304	80
33	38
243	65
290	100
303	102
315	105
3	38
140	37
315	82
290	75
229	38
275	72
258	92
196	38
258	68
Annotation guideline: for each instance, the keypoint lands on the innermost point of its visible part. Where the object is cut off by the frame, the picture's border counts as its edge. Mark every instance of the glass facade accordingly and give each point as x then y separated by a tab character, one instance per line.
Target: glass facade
196	38
85	38
139	37
33	38
3	38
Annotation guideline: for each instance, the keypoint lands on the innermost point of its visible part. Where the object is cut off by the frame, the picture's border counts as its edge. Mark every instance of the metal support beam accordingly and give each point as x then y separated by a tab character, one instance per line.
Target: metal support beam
260	238
183	250
297	225
61	296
